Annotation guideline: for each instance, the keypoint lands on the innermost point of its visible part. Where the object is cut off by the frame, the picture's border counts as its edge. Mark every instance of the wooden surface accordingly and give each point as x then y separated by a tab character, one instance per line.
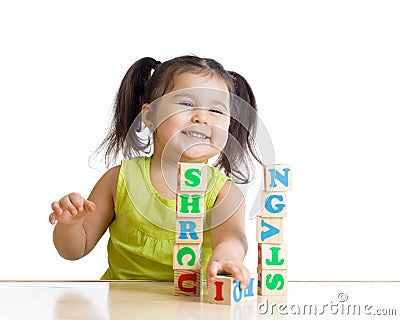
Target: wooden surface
155	300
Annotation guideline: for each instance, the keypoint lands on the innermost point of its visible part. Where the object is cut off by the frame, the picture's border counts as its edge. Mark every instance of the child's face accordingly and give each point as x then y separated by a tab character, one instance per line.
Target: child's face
192	121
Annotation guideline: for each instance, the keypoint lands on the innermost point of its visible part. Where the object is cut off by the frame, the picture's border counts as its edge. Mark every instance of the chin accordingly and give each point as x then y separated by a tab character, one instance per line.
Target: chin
194	155
193	158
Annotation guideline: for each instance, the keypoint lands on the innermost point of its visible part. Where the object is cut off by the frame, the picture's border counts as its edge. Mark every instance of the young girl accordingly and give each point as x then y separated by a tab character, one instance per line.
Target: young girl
187	104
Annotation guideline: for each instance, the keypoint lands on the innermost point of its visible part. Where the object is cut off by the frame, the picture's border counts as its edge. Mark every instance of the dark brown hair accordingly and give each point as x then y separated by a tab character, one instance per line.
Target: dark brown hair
148	79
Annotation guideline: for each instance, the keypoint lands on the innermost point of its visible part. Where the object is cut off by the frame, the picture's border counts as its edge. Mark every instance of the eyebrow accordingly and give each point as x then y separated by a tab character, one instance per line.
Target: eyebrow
194	97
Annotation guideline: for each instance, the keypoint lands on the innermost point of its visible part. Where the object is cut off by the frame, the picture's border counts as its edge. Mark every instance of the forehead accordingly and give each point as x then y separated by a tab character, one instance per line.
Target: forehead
202	89
190	80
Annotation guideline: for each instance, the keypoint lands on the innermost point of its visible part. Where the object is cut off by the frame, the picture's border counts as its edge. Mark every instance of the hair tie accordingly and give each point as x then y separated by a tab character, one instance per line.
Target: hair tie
156	64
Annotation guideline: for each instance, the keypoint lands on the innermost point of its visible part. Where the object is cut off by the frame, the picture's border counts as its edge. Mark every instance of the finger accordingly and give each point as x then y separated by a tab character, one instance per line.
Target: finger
233	269
55	206
238	272
53	218
212	270
245	276
77	201
89	206
66	205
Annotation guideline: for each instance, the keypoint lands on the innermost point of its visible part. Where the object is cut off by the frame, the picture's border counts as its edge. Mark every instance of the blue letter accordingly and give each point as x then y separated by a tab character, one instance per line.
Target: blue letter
278	207
237	292
248	291
188	227
284	179
271	232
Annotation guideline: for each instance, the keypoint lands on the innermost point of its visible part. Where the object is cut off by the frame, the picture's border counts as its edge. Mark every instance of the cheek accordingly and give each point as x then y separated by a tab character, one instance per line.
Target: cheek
163	112
225	127
168	127
220	135
168	120
223	124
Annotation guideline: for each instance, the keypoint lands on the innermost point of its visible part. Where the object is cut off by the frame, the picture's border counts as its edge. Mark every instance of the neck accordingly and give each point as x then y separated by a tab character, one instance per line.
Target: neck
164	172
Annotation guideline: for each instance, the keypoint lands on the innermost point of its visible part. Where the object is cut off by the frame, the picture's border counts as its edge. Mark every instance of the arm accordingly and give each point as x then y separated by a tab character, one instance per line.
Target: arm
228	236
81	222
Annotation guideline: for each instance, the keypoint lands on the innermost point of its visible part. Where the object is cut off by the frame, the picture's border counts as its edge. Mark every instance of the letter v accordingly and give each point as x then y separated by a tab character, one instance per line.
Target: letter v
271	231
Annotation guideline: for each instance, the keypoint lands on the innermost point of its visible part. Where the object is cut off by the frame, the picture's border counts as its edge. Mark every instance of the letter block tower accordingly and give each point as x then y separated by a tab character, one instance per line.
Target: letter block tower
192	185
272	252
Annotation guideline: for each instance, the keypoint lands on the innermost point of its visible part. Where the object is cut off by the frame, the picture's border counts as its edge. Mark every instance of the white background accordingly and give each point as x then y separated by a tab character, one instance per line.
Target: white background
326	75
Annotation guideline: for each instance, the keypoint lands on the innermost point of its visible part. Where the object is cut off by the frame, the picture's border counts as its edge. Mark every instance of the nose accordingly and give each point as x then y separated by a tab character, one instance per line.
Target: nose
200	115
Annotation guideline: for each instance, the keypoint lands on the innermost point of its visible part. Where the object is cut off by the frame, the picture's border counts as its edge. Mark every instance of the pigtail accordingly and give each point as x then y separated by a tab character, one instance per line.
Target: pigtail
241	145
127	112
245	92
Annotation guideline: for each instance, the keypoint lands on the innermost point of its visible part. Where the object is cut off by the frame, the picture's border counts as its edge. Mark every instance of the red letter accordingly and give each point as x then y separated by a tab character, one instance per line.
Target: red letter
218	291
188	277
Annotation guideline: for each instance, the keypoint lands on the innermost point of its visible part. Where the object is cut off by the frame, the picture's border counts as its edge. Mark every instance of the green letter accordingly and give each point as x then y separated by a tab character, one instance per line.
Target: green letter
276	279
184	251
193	177
194	204
274	260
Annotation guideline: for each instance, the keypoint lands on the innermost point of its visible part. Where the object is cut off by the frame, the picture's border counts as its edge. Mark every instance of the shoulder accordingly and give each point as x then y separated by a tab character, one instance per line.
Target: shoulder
216	173
229	205
230	193
216	179
109	179
134	164
130	164
133	169
225	186
104	191
113	173
140	160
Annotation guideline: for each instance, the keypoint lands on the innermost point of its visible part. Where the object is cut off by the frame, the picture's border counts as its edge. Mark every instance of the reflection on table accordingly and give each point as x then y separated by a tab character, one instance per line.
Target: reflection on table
155	300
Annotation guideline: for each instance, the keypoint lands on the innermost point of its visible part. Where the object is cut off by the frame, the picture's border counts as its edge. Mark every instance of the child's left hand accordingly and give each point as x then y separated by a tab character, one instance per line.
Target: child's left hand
236	268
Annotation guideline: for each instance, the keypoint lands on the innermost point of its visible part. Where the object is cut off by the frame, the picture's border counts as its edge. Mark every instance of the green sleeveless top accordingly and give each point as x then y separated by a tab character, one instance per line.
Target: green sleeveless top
142	234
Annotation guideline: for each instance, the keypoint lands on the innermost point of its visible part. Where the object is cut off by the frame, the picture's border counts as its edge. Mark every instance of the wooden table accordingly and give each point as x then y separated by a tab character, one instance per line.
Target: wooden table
155	300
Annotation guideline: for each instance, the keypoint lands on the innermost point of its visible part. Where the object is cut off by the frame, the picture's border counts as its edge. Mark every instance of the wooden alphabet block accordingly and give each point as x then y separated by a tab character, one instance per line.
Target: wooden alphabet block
190	204
192	176
188	282
274	204
272	256
226	290
272	282
278	177
189	230
187	256
269	230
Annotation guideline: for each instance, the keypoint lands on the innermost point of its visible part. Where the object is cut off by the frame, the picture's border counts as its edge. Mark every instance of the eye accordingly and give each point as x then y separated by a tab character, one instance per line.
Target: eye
186	103
217	110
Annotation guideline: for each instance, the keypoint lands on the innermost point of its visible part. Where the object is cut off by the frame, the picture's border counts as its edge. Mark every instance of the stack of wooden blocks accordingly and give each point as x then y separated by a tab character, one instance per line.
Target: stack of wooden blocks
272	252
192	185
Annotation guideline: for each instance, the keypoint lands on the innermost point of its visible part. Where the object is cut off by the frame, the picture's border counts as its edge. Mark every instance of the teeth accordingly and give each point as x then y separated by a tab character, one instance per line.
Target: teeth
196	135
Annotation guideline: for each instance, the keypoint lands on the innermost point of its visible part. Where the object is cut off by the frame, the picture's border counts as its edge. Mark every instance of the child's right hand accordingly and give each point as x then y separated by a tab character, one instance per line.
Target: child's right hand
70	209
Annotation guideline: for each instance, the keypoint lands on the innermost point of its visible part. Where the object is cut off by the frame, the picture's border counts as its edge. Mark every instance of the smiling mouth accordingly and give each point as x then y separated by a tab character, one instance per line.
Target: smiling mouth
197	135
